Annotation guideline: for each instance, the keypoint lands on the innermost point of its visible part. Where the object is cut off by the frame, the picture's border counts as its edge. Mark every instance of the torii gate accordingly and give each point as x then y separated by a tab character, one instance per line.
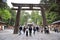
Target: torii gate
41	8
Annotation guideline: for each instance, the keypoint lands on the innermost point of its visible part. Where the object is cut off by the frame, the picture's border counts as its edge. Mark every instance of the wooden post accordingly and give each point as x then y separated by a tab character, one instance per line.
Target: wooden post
44	20
43	16
17	21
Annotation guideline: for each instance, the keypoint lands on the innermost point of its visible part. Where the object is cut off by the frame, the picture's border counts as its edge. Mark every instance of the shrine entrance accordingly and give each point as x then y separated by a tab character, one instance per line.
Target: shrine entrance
20	7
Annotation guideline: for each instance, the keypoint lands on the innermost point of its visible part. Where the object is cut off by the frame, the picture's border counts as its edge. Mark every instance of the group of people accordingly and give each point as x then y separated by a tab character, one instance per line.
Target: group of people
46	30
28	30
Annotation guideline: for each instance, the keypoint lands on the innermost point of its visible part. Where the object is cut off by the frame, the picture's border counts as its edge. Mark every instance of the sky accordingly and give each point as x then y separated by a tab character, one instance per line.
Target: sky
23	1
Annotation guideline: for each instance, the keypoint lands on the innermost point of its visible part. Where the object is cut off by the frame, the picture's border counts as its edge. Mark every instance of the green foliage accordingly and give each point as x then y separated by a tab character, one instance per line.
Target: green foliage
53	11
3	5
5	14
36	18
54	8
13	17
24	17
51	17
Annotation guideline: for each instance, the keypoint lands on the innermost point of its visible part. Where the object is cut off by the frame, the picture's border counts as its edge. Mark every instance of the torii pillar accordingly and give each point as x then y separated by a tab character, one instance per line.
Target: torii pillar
44	19
17	20
44	22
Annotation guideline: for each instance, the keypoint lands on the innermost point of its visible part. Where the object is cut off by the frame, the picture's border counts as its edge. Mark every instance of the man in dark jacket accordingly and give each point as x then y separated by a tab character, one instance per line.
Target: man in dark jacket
20	28
37	28
34	29
30	30
24	29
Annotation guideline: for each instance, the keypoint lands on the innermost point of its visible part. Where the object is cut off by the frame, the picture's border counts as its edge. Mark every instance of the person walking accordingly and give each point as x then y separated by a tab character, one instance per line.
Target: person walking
20	29
26	31
30	30
37	28
34	29
46	29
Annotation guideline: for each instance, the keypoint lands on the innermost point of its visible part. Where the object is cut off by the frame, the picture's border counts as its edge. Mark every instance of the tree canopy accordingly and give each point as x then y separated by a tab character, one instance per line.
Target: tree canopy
6	14
53	12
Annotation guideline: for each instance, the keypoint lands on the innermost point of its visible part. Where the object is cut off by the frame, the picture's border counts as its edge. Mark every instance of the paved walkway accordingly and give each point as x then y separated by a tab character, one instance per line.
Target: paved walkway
8	35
